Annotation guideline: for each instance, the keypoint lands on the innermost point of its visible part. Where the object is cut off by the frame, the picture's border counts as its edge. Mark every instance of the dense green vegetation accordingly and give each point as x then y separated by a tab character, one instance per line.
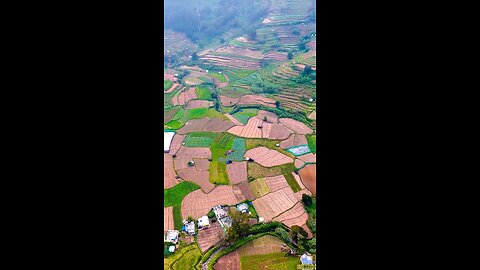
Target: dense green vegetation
218	167
187	257
199	139
312	143
167	84
203	92
174	196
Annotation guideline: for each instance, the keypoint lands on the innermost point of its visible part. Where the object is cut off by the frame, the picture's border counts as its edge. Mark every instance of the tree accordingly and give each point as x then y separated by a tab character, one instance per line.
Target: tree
312	245
283	234
277	104
290	55
307	70
240	226
307	200
297	233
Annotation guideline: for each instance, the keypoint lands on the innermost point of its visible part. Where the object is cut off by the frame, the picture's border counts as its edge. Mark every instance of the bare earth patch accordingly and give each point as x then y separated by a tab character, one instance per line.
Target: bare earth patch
185	97
197	103
201	178
309	158
202	164
197	203
271	117
309	176
168	218
296	126
231	261
172	88
299	163
245	190
257	128
234	120
206	124
264	245
168	172
237	172
294	140
176	143
294	216
228	101
267	157
276	182
209	237
313	115
275	203
256	99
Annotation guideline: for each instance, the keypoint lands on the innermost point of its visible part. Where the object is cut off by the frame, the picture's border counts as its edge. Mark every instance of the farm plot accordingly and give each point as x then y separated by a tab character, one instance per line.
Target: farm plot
298	180
169	114
296	126
294	216
243	192
187	154
197	203
168	218
170	87
272	261
237	172
201	178
267	157
313	115
263	245
228	101
299	194
256	99
196	103
234	120
309	177
267	116
275	183
299	150
239	149
168	172
203	93
257	128
230	261
312	143
294	140
308	158
209	237
184	97
299	163
176	143
275	203
218	169
259	187
244	114
199	139
186	258
207	125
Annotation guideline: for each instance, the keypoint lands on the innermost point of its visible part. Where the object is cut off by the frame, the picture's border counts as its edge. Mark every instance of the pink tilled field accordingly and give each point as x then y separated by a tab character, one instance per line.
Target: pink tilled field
296	126
267	157
275	203
258	128
294	216
197	203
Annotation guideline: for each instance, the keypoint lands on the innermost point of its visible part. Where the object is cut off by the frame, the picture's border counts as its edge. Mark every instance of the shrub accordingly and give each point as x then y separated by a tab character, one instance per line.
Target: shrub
307	200
211	214
265	227
282	233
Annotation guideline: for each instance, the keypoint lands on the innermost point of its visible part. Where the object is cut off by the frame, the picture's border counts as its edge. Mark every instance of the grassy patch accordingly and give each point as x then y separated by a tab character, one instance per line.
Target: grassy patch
187	257
276	261
244	114
212	113
174	124
203	93
197	113
167	84
169	114
312	143
270	144
177	217
219	77
259	187
256	170
174	196
292	182
199	139
218	168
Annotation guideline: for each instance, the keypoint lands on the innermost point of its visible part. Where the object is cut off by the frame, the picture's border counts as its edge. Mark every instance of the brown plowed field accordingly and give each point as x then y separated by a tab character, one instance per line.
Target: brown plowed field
206	124
228	101
176	143
294	140
238	194
172	88
313	115
196	103
267	130
185	97
231	261
299	181
209	237
271	117
200	178
234	120
299	163
246	191
279	56
267	157
168	172
255	99
309	176
169	77
194	152
240	51
294	216
275	203
296	126
308	158
201	164
168	218
299	194
264	245
276	182
197	203
237	172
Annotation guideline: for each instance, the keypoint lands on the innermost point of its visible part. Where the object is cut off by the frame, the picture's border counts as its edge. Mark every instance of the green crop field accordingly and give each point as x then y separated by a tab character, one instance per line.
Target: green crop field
187	257
312	143
292	182
239	150
199	139
218	168
272	261
167	84
270	144
197	113
174	196
218	76
259	187
244	114
203	93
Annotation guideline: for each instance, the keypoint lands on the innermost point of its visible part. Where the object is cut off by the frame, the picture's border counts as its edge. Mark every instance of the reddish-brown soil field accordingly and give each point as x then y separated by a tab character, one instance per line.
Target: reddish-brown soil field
231	261
267	130
299	163
228	101
245	190
264	245
296	126
238	193
196	103
168	218
271	117
197	204
206	124
168	172
313	115
201	164
169	77
237	172
294	140
309	176
308	158
267	157
234	120
299	194
255	99
201	178
209	237
275	183
193	152
176	144
184	97
294	216
172	88
275	203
